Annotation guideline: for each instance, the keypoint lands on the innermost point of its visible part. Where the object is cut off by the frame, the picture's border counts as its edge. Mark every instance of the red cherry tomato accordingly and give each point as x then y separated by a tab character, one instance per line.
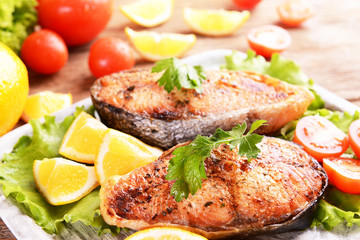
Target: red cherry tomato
344	173
354	137
109	55
294	12
320	137
268	39
77	21
44	52
246	4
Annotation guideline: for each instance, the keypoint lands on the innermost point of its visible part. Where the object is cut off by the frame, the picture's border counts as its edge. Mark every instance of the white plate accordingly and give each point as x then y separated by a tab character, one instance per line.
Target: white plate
23	227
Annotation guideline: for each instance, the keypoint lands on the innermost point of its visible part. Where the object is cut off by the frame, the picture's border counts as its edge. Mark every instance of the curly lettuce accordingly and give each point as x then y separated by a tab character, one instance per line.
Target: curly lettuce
17	21
339	207
21	188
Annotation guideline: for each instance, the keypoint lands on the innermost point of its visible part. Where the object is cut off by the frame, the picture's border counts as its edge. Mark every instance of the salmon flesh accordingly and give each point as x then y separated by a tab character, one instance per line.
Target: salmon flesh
276	192
132	102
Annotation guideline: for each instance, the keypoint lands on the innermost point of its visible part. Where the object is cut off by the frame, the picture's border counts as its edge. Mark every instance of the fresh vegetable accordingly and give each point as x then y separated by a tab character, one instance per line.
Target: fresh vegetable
293	13
344	173
269	39
246	4
17	21
20	187
179	75
44	52
187	165
342	120
109	55
338	208
354	137
76	21
320	137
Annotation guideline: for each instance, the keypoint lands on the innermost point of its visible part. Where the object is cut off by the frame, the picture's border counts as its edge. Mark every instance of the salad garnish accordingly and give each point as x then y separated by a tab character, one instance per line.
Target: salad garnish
179	75
187	165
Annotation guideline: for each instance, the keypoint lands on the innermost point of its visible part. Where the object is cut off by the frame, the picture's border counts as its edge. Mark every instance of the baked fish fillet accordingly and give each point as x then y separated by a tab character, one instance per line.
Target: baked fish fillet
273	193
132	102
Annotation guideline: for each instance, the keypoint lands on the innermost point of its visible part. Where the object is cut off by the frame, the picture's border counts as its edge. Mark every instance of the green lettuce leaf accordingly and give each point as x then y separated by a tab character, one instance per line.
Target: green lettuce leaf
17	21
338	207
18	184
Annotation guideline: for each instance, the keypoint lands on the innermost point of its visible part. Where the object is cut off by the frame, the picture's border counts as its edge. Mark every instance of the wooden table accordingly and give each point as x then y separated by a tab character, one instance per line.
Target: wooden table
326	47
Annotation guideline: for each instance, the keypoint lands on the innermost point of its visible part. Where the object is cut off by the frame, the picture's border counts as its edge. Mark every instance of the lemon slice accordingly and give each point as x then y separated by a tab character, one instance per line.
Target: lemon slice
83	138
154	46
63	181
44	103
162	233
121	153
149	13
215	22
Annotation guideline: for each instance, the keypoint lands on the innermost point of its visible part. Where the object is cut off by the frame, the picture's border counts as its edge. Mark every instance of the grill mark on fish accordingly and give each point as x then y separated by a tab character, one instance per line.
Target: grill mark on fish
272	192
132	102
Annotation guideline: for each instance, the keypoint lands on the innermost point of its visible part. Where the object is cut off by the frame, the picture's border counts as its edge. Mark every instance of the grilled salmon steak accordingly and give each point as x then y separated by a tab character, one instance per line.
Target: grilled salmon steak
275	192
132	102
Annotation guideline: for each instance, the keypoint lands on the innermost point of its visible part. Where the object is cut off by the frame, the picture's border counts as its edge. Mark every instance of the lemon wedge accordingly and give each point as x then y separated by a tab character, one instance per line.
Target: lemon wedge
149	13
44	103
121	153
63	181
154	46
83	138
162	233
215	22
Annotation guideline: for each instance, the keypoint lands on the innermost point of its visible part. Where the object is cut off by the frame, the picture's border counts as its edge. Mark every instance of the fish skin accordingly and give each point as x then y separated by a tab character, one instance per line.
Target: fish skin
239	198
132	102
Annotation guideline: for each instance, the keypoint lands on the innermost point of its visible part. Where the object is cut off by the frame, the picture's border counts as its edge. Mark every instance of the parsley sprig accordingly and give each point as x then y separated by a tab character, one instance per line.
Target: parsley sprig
187	165
179	75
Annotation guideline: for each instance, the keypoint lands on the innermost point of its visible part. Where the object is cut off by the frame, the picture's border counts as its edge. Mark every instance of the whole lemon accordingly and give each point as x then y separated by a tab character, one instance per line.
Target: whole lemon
14	88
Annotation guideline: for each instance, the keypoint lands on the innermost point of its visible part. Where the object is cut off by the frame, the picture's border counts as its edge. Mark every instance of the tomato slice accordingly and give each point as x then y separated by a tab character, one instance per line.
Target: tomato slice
294	12
354	137
320	137
268	39
344	173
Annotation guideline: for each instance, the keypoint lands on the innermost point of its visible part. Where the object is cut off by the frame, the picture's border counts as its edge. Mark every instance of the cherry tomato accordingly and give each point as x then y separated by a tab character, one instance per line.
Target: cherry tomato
44	52
246	4
77	21
109	55
294	12
320	137
344	173
268	39
354	137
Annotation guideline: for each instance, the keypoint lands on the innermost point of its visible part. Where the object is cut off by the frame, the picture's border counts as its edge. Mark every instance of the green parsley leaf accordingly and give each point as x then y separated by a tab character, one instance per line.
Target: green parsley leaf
187	165
179	75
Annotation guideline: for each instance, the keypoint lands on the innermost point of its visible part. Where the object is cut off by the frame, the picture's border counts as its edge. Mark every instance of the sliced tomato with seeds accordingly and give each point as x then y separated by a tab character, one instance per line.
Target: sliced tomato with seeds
354	137
320	137
268	39
294	12
344	173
